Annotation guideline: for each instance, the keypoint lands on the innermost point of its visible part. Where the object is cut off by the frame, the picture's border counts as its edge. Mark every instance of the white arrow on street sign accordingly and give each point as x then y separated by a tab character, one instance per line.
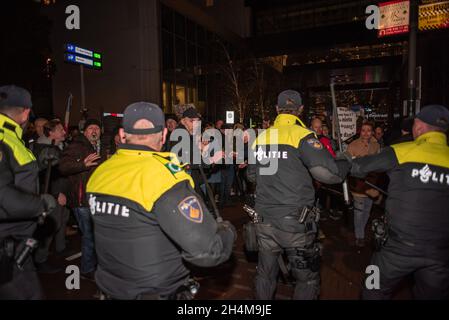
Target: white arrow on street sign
74	49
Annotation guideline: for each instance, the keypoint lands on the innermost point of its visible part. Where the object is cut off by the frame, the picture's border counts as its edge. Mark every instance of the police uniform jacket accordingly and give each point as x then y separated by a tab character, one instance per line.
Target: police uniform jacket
19	183
417	207
300	156
147	219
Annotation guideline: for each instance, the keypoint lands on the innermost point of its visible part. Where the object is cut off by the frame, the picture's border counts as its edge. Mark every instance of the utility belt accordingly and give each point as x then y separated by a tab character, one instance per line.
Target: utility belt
307	216
304	215
187	291
14	253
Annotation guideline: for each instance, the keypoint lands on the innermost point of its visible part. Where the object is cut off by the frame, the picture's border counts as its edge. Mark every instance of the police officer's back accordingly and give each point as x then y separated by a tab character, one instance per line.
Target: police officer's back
290	155
147	217
417	208
20	204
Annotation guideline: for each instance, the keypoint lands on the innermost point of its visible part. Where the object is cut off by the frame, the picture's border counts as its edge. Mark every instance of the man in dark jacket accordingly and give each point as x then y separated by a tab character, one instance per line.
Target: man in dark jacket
189	122
78	161
54	228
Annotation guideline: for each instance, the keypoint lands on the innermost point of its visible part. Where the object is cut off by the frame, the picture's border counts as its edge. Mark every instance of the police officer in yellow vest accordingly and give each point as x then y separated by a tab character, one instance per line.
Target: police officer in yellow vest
20	203
417	209
148	218
287	156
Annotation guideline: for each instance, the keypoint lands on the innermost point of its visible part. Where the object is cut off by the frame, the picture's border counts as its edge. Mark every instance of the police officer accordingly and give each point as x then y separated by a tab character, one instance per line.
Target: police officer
20	204
288	155
417	209
147	216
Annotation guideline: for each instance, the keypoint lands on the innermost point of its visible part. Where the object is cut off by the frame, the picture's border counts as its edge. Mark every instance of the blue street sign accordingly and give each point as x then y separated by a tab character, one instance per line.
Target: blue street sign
73	58
78	55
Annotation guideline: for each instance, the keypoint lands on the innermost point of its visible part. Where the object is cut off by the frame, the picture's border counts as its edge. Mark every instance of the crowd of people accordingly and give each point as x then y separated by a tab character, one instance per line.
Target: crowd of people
71	187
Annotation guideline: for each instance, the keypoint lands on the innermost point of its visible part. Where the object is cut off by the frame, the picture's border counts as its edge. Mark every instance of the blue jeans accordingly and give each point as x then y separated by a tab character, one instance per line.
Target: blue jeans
213	179
227	179
362	210
88	258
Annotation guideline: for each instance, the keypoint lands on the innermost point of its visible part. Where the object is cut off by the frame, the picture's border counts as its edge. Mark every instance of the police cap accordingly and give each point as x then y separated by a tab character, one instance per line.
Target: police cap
143	110
435	115
289	99
13	96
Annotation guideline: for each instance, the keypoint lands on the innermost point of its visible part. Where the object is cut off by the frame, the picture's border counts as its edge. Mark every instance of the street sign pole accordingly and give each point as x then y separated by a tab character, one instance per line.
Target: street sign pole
411	83
83	93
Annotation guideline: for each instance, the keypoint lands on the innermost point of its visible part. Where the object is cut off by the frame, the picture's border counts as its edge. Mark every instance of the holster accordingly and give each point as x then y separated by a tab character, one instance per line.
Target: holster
305	258
250	237
380	230
307	213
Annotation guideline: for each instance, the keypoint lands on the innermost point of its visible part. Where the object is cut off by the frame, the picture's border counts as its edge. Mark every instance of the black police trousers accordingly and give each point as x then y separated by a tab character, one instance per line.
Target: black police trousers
25	285
396	261
303	255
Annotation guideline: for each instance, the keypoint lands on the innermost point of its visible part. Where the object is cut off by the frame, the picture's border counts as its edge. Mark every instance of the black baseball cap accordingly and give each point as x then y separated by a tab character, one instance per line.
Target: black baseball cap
435	115
13	96
191	113
289	99
143	110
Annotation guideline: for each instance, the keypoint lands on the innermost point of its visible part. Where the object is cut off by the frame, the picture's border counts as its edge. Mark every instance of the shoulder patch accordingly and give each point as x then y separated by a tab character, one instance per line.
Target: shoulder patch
315	143
191	209
173	168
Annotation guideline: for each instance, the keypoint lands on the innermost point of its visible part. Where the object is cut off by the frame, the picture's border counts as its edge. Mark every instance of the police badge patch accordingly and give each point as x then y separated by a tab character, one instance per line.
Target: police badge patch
315	143
190	208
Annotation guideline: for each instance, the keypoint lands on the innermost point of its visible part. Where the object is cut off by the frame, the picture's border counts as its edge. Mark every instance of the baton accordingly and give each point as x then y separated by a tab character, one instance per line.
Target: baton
376	187
46	186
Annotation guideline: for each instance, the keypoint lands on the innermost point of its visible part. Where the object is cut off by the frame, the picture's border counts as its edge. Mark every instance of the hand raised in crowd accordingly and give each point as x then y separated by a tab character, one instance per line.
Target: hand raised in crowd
91	160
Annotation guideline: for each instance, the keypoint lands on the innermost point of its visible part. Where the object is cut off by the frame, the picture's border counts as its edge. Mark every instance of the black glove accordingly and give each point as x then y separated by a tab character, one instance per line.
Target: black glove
48	155
226	225
48	204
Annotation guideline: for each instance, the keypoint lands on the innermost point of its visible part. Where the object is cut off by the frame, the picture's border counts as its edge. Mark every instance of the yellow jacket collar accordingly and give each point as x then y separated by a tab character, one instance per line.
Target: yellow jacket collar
11	125
138	150
137	147
432	137
286	120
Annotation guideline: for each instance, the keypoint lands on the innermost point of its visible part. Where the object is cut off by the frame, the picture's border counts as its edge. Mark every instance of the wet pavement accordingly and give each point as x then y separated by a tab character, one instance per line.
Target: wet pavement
342	270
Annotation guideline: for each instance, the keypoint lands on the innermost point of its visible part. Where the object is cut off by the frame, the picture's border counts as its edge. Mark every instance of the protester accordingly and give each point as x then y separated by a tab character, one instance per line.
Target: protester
78	161
406	131
379	135
365	145
55	226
